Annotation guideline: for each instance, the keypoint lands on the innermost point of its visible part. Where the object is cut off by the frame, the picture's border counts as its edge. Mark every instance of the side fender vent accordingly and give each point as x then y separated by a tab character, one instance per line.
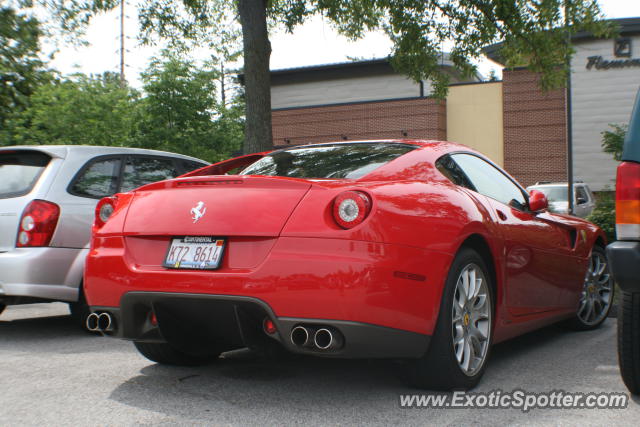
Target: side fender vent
573	236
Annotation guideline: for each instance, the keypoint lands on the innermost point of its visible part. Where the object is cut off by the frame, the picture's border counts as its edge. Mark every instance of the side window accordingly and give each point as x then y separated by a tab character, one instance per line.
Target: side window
581	195
98	180
139	171
490	181
451	170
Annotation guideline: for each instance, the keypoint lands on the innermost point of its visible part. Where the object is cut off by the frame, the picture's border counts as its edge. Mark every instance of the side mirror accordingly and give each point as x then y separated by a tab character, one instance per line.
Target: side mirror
537	201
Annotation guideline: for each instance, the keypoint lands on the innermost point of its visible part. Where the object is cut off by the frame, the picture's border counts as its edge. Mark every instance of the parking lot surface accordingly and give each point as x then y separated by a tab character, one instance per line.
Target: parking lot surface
53	373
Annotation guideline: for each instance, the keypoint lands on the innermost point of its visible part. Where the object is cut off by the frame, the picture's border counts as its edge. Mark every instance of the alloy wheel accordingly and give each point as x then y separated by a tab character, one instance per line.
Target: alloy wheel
597	290
471	319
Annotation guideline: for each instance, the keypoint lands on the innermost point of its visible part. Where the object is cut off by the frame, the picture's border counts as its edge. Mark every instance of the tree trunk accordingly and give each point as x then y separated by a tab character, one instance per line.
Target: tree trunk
257	80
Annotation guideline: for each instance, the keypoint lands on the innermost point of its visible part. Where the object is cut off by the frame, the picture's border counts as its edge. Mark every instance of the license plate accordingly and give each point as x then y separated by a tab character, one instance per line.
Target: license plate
194	253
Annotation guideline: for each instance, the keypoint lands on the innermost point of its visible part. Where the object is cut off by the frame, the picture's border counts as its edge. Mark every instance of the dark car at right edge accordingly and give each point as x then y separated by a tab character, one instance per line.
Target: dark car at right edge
624	254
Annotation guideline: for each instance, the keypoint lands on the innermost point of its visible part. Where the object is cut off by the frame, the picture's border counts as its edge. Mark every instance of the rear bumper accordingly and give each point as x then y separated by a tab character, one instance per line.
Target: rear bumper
48	273
236	322
624	259
392	292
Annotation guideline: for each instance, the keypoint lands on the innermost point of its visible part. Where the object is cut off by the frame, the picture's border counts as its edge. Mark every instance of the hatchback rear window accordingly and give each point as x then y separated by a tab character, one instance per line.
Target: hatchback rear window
351	161
19	172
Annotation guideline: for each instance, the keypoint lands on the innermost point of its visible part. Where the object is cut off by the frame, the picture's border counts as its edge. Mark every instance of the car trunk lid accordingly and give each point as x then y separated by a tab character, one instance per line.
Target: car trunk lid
215	206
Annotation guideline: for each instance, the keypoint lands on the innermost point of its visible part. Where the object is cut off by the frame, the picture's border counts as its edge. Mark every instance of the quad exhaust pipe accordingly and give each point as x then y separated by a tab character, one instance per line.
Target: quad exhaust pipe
100	322
324	338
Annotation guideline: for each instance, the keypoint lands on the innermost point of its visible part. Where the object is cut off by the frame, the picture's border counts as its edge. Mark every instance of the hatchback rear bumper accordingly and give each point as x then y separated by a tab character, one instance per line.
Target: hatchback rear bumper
47	273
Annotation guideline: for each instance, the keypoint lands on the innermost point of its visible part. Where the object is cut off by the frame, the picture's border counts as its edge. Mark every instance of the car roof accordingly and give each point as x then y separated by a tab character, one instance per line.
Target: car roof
61	151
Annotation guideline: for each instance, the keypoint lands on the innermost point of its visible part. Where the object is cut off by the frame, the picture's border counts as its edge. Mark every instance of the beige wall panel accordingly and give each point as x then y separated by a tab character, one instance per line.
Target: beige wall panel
474	118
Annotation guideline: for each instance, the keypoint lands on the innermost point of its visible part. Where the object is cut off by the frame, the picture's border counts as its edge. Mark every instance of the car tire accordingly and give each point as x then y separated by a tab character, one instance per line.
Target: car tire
597	293
80	311
442	366
629	340
165	354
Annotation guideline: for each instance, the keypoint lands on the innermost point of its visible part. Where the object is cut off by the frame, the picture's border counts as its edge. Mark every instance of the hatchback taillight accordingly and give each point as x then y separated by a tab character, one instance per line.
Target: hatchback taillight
37	224
628	201
351	208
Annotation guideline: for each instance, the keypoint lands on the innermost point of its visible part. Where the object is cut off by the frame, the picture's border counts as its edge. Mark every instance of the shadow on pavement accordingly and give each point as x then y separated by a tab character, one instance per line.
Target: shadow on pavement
53	334
251	384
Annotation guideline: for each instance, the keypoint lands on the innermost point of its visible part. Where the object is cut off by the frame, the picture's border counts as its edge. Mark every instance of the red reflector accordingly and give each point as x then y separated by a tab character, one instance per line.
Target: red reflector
269	326
154	319
410	276
37	224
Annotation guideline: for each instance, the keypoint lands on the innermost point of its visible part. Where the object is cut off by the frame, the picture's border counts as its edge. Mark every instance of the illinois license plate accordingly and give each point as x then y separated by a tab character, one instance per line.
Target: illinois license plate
195	253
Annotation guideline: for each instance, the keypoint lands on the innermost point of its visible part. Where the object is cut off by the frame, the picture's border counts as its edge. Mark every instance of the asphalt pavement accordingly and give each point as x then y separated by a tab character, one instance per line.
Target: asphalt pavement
52	373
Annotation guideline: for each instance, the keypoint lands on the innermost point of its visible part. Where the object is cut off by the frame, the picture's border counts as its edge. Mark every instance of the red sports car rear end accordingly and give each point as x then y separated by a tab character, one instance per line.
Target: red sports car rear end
338	250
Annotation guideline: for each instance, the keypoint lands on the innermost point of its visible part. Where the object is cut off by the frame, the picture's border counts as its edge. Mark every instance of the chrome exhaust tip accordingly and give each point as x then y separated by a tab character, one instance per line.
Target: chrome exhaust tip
92	322
104	322
325	339
301	337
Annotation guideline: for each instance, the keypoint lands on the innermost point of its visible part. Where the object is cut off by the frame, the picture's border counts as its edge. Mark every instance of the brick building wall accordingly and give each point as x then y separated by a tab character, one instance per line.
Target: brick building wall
534	129
414	118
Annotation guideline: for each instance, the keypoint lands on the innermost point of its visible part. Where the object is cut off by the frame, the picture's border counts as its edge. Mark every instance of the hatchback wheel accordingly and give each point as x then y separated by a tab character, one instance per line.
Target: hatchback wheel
597	293
460	345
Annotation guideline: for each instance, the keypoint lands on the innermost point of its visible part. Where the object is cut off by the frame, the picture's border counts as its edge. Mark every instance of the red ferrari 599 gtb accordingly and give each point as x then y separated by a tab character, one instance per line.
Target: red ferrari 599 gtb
418	250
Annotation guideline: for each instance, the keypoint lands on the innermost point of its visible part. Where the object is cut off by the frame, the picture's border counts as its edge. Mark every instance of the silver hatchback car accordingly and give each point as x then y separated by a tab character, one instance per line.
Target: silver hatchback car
48	196
583	200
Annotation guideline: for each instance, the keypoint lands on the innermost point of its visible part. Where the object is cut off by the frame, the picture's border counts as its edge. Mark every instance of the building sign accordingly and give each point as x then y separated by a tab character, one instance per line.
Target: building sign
622	52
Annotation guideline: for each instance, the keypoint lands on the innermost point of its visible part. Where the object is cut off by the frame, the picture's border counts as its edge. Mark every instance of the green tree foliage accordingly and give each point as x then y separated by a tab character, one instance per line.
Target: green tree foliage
613	140
604	214
181	112
21	70
534	33
79	110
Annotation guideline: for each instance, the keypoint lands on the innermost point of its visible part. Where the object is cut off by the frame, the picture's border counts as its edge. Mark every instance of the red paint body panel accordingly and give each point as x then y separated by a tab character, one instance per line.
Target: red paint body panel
285	248
312	278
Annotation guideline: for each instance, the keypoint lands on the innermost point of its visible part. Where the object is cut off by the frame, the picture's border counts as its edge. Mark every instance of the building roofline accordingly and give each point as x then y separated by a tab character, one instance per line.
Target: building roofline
628	26
374	66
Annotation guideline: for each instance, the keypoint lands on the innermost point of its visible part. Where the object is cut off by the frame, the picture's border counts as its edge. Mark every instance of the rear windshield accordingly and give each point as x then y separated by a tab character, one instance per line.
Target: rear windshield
19	172
350	161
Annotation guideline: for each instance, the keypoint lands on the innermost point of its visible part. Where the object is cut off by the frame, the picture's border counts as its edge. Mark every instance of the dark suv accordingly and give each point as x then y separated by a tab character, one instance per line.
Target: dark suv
624	255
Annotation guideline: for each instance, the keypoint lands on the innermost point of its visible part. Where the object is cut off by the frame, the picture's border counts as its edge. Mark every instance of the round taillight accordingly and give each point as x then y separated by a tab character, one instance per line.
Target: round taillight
104	210
351	208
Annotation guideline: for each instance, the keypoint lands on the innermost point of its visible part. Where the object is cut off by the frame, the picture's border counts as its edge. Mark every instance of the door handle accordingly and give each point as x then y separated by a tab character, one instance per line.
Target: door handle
501	215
